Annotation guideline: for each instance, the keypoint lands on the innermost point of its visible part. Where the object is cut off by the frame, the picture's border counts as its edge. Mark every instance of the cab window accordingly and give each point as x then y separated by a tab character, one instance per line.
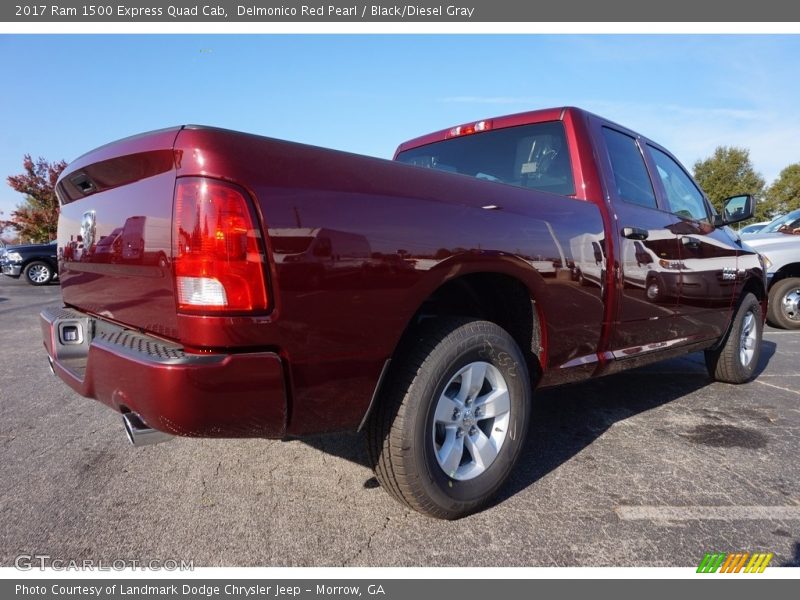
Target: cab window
630	173
534	156
683	197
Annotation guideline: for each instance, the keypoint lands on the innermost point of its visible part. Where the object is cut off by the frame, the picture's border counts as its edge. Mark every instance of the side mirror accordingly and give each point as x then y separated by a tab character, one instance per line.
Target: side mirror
736	209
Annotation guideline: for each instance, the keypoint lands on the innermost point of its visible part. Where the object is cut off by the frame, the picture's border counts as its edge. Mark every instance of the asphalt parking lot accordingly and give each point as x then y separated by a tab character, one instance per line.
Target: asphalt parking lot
652	467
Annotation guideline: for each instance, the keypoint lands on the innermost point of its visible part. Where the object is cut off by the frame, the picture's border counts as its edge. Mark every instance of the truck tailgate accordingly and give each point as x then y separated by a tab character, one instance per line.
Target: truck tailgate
114	234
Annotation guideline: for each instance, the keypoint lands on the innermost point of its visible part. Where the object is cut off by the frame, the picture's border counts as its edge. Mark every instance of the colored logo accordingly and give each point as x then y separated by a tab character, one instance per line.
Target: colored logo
734	562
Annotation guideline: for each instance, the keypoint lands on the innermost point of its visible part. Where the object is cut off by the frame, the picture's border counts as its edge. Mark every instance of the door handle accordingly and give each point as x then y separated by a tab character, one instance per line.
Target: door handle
691	242
634	233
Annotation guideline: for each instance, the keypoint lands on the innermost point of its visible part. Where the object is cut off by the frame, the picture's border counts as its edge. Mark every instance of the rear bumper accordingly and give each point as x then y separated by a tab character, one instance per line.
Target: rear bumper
197	395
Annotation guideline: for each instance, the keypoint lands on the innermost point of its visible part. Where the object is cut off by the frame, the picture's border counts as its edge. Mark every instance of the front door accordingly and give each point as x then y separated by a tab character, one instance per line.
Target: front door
708	256
648	255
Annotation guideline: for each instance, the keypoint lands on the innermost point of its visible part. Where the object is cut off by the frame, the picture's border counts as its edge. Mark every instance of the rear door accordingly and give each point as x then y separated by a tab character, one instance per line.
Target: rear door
647	268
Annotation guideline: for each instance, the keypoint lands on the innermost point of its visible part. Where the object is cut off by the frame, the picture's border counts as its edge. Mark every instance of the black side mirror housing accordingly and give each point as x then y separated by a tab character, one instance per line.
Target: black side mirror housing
736	209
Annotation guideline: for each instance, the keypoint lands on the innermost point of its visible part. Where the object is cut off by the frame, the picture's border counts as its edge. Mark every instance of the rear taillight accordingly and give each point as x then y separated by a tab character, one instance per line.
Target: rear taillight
217	249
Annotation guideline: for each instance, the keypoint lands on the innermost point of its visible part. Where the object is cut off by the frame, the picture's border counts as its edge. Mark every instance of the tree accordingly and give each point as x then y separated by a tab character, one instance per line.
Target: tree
784	193
729	172
36	219
5	228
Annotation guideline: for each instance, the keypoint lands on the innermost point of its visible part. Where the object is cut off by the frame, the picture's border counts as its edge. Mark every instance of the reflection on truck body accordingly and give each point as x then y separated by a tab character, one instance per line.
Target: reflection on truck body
140	241
589	257
307	256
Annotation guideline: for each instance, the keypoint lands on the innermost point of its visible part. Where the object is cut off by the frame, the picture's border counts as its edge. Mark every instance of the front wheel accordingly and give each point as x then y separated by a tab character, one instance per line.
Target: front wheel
784	304
655	289
453	418
38	273
735	361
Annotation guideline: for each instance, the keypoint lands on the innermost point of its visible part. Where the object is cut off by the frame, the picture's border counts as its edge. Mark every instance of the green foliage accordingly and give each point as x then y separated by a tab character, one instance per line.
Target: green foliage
784	193
36	219
729	172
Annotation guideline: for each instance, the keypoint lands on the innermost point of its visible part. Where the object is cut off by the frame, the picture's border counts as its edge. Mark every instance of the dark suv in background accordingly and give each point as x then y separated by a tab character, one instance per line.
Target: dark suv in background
37	262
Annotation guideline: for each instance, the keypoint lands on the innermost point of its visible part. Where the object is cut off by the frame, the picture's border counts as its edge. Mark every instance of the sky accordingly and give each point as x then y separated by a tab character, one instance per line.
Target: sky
64	95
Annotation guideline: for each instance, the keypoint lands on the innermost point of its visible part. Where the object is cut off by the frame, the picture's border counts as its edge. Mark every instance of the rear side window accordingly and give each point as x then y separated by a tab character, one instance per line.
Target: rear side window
685	200
630	173
531	156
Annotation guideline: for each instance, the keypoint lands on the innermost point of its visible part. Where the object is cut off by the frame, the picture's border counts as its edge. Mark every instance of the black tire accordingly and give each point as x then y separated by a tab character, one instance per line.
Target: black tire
38	272
654	288
783	310
401	432
731	363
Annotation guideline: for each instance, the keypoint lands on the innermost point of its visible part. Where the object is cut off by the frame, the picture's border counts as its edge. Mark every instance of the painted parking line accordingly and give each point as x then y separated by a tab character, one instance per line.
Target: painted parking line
777	387
708	513
777	375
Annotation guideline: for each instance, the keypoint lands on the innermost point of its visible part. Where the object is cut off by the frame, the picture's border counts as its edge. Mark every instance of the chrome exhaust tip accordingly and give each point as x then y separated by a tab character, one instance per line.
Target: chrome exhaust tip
140	433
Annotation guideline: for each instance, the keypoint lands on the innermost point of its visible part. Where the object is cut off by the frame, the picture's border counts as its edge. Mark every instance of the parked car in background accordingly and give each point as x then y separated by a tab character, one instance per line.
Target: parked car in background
753	228
788	223
37	262
779	245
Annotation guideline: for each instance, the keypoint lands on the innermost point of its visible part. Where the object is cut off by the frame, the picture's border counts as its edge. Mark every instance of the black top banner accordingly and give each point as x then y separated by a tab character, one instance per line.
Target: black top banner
350	11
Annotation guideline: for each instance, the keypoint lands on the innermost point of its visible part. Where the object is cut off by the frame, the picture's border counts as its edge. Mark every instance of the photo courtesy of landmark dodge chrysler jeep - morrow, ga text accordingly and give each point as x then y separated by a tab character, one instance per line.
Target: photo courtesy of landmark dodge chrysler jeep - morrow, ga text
279	290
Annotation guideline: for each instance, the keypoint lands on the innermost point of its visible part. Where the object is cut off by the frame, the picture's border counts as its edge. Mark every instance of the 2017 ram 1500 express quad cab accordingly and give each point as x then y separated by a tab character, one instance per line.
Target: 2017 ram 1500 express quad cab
271	289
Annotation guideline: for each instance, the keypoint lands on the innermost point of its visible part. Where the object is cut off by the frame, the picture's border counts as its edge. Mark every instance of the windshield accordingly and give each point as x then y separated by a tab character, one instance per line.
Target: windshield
530	156
788	223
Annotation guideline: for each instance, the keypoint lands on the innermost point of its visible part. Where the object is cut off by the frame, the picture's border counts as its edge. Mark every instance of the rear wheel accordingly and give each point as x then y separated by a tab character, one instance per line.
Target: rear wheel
38	273
735	361
452	418
784	304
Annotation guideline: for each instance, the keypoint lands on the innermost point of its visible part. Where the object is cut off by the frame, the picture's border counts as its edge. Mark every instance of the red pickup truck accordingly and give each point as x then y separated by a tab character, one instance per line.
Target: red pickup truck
229	285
